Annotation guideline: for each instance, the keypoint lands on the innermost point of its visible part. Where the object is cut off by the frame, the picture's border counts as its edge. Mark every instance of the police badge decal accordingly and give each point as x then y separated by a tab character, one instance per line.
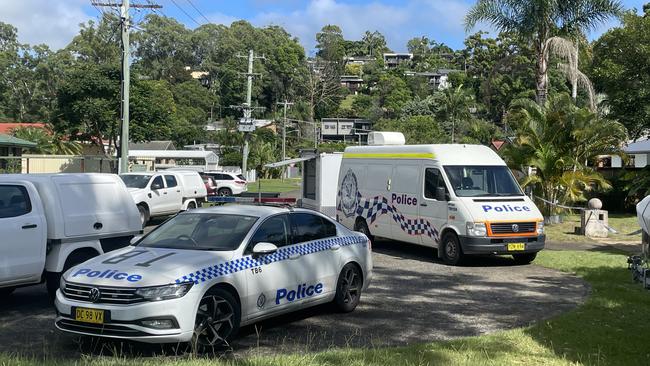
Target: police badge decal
349	194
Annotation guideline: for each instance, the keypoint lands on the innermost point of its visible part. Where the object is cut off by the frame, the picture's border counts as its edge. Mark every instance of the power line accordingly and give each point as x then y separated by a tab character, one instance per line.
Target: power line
199	11
186	13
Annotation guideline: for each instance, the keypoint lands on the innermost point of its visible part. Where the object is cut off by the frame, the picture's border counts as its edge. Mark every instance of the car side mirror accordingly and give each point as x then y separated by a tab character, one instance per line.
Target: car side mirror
264	249
155	186
135	239
441	194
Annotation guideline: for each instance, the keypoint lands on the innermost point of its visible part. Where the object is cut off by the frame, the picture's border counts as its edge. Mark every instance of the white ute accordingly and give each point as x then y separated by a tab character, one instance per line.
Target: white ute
51	222
165	193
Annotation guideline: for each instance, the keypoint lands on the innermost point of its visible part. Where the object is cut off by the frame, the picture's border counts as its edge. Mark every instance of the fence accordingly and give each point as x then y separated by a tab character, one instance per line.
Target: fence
57	164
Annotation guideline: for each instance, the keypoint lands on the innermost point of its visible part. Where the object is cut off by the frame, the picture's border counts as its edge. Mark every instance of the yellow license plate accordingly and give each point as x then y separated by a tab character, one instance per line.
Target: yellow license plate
89	315
512	247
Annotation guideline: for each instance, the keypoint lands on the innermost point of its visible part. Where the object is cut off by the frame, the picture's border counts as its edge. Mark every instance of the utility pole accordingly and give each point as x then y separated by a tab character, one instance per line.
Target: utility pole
248	125
284	133
125	23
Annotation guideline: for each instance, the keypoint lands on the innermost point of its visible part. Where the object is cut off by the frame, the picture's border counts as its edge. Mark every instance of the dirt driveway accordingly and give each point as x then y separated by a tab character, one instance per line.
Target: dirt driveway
413	298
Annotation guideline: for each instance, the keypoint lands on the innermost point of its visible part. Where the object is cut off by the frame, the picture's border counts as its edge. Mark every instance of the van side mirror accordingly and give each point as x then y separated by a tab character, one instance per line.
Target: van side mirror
135	239
264	249
441	194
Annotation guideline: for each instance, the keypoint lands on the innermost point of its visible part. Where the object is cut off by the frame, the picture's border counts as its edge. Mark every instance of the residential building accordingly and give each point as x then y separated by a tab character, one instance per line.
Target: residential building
152	145
638	156
11	148
7	127
352	83
392	60
438	79
345	129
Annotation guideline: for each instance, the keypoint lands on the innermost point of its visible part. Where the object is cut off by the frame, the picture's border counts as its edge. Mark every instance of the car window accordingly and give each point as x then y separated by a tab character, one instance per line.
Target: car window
307	227
227	177
159	181
274	230
432	180
171	181
135	180
241	177
14	201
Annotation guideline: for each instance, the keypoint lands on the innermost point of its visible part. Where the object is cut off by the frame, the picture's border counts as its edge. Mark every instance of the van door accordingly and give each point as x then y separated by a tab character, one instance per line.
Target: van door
23	232
174	194
433	205
404	200
158	203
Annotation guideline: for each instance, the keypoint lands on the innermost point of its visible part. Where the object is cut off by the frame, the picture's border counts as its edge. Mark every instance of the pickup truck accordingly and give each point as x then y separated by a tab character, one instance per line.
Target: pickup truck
165	193
51	222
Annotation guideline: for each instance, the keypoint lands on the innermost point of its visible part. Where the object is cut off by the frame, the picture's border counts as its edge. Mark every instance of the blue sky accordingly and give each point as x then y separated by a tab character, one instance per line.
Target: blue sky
55	22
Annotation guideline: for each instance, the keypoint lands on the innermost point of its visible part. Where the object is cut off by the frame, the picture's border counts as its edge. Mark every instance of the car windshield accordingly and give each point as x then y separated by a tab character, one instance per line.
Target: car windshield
477	181
135	181
200	231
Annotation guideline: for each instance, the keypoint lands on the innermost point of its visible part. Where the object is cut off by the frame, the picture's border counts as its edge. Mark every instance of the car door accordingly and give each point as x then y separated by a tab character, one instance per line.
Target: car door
269	284
174	194
433	210
23	232
158	196
320	260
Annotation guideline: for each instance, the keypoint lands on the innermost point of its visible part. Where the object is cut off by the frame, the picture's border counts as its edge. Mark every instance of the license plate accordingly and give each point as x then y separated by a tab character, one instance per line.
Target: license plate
89	315
512	247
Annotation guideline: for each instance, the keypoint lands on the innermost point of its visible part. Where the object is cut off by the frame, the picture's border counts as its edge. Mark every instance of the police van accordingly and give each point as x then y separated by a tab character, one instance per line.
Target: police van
461	199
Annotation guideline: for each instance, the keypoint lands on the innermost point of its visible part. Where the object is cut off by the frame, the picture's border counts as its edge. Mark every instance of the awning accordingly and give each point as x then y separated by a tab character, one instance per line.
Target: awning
288	162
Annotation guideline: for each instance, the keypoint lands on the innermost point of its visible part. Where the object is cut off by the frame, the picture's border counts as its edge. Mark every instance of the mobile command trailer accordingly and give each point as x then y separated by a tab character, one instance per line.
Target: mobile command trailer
460	199
51	222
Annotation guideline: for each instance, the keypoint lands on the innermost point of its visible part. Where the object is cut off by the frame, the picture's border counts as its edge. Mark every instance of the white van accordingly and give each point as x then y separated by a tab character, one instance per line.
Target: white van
51	222
165	193
461	199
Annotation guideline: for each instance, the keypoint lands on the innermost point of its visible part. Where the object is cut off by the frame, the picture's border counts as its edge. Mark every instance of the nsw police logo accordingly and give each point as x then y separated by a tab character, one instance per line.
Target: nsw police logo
349	194
261	301
94	294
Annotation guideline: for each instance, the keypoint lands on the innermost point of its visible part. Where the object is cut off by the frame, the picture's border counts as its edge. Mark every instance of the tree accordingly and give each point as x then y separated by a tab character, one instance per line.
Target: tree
538	21
374	44
47	142
454	104
416	129
621	70
393	93
330	44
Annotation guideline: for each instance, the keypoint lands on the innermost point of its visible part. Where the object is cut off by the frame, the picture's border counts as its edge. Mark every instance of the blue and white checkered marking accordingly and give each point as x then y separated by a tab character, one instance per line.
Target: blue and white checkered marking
247	262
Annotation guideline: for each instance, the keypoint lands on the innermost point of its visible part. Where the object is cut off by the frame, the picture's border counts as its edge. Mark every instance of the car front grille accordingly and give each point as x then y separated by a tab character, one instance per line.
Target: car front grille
502	228
109	295
99	329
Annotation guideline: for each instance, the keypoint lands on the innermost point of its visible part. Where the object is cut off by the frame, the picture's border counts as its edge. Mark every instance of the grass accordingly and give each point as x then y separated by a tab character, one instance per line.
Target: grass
623	223
610	328
276	185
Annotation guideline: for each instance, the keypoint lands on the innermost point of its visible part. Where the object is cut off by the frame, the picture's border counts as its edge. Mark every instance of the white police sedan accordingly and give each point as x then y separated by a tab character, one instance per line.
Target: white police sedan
204	273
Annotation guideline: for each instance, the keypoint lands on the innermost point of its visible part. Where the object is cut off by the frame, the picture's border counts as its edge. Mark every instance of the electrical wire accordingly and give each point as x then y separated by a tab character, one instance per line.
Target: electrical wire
186	13
199	11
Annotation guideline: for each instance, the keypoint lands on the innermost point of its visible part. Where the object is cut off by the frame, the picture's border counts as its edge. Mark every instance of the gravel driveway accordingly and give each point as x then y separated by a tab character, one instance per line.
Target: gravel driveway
413	298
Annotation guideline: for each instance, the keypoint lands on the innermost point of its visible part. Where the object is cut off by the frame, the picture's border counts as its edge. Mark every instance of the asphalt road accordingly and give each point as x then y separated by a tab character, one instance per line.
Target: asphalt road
413	298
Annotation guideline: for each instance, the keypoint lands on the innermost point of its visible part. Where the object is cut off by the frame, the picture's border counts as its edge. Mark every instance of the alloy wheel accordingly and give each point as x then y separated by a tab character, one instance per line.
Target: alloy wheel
214	321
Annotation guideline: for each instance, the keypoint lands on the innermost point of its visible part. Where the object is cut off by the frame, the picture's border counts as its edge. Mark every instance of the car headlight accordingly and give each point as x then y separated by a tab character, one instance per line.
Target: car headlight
476	229
540	228
165	292
62	284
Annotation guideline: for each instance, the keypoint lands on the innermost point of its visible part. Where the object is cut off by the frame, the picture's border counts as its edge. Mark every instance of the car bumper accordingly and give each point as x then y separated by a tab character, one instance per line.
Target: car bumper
474	245
123	321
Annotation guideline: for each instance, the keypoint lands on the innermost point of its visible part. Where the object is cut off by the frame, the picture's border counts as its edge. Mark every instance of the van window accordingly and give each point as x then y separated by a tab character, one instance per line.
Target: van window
14	201
432	180
274	230
307	227
309	184
171	181
477	181
158	181
405	178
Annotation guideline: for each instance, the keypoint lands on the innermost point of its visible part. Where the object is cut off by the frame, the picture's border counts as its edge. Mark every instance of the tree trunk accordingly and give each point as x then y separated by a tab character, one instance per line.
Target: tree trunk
574	75
541	77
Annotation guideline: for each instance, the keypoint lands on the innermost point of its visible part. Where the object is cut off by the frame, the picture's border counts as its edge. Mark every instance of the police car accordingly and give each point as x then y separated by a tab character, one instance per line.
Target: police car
204	273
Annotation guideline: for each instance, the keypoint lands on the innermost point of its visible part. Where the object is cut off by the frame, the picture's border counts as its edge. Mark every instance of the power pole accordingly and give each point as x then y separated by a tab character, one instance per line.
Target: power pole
248	125
125	23
284	132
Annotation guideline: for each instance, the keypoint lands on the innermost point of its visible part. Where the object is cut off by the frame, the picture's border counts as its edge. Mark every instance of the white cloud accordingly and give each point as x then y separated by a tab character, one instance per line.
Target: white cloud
52	22
221	18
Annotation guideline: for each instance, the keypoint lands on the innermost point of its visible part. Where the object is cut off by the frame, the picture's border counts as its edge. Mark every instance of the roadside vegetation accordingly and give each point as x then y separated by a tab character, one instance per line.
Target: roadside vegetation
275	185
623	223
606	330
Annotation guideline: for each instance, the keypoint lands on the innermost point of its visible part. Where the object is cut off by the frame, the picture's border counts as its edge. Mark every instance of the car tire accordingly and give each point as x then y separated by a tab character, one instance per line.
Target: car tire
144	215
348	288
191	205
210	333
224	192
524	258
52	279
6	291
362	227
452	252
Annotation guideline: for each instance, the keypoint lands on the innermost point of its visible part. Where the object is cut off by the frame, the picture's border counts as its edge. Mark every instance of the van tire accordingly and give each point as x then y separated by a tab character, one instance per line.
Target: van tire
362	227
452	252
224	192
52	279
191	205
524	258
144	215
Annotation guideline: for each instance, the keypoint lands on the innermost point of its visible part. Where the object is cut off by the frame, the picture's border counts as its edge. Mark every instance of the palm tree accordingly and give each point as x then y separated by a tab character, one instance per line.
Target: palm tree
559	140
48	142
454	104
538	21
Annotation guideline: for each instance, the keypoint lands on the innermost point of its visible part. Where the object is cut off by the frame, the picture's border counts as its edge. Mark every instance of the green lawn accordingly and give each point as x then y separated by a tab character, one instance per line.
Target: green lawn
624	224
609	329
276	185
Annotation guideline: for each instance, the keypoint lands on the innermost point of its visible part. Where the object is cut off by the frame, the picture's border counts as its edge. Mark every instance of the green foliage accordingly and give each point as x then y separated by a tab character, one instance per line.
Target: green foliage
393	93
152	111
416	129
47	142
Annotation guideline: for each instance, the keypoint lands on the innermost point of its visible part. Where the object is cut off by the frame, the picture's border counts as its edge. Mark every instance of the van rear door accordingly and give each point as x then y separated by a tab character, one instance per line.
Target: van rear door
23	232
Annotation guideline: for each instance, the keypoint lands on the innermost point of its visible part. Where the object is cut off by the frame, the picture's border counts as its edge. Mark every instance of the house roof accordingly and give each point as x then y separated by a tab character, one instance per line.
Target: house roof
209	156
7	140
7	127
152	145
638	147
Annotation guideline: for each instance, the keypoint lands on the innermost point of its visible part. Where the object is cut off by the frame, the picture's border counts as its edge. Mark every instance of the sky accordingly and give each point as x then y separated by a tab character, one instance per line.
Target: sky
55	22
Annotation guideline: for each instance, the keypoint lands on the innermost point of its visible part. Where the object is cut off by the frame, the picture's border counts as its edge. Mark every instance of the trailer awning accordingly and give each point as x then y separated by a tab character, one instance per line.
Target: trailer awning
288	161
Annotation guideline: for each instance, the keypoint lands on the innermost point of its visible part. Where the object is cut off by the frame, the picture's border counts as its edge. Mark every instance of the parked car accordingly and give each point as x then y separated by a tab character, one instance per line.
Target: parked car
165	193
228	184
51	222
210	185
205	273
